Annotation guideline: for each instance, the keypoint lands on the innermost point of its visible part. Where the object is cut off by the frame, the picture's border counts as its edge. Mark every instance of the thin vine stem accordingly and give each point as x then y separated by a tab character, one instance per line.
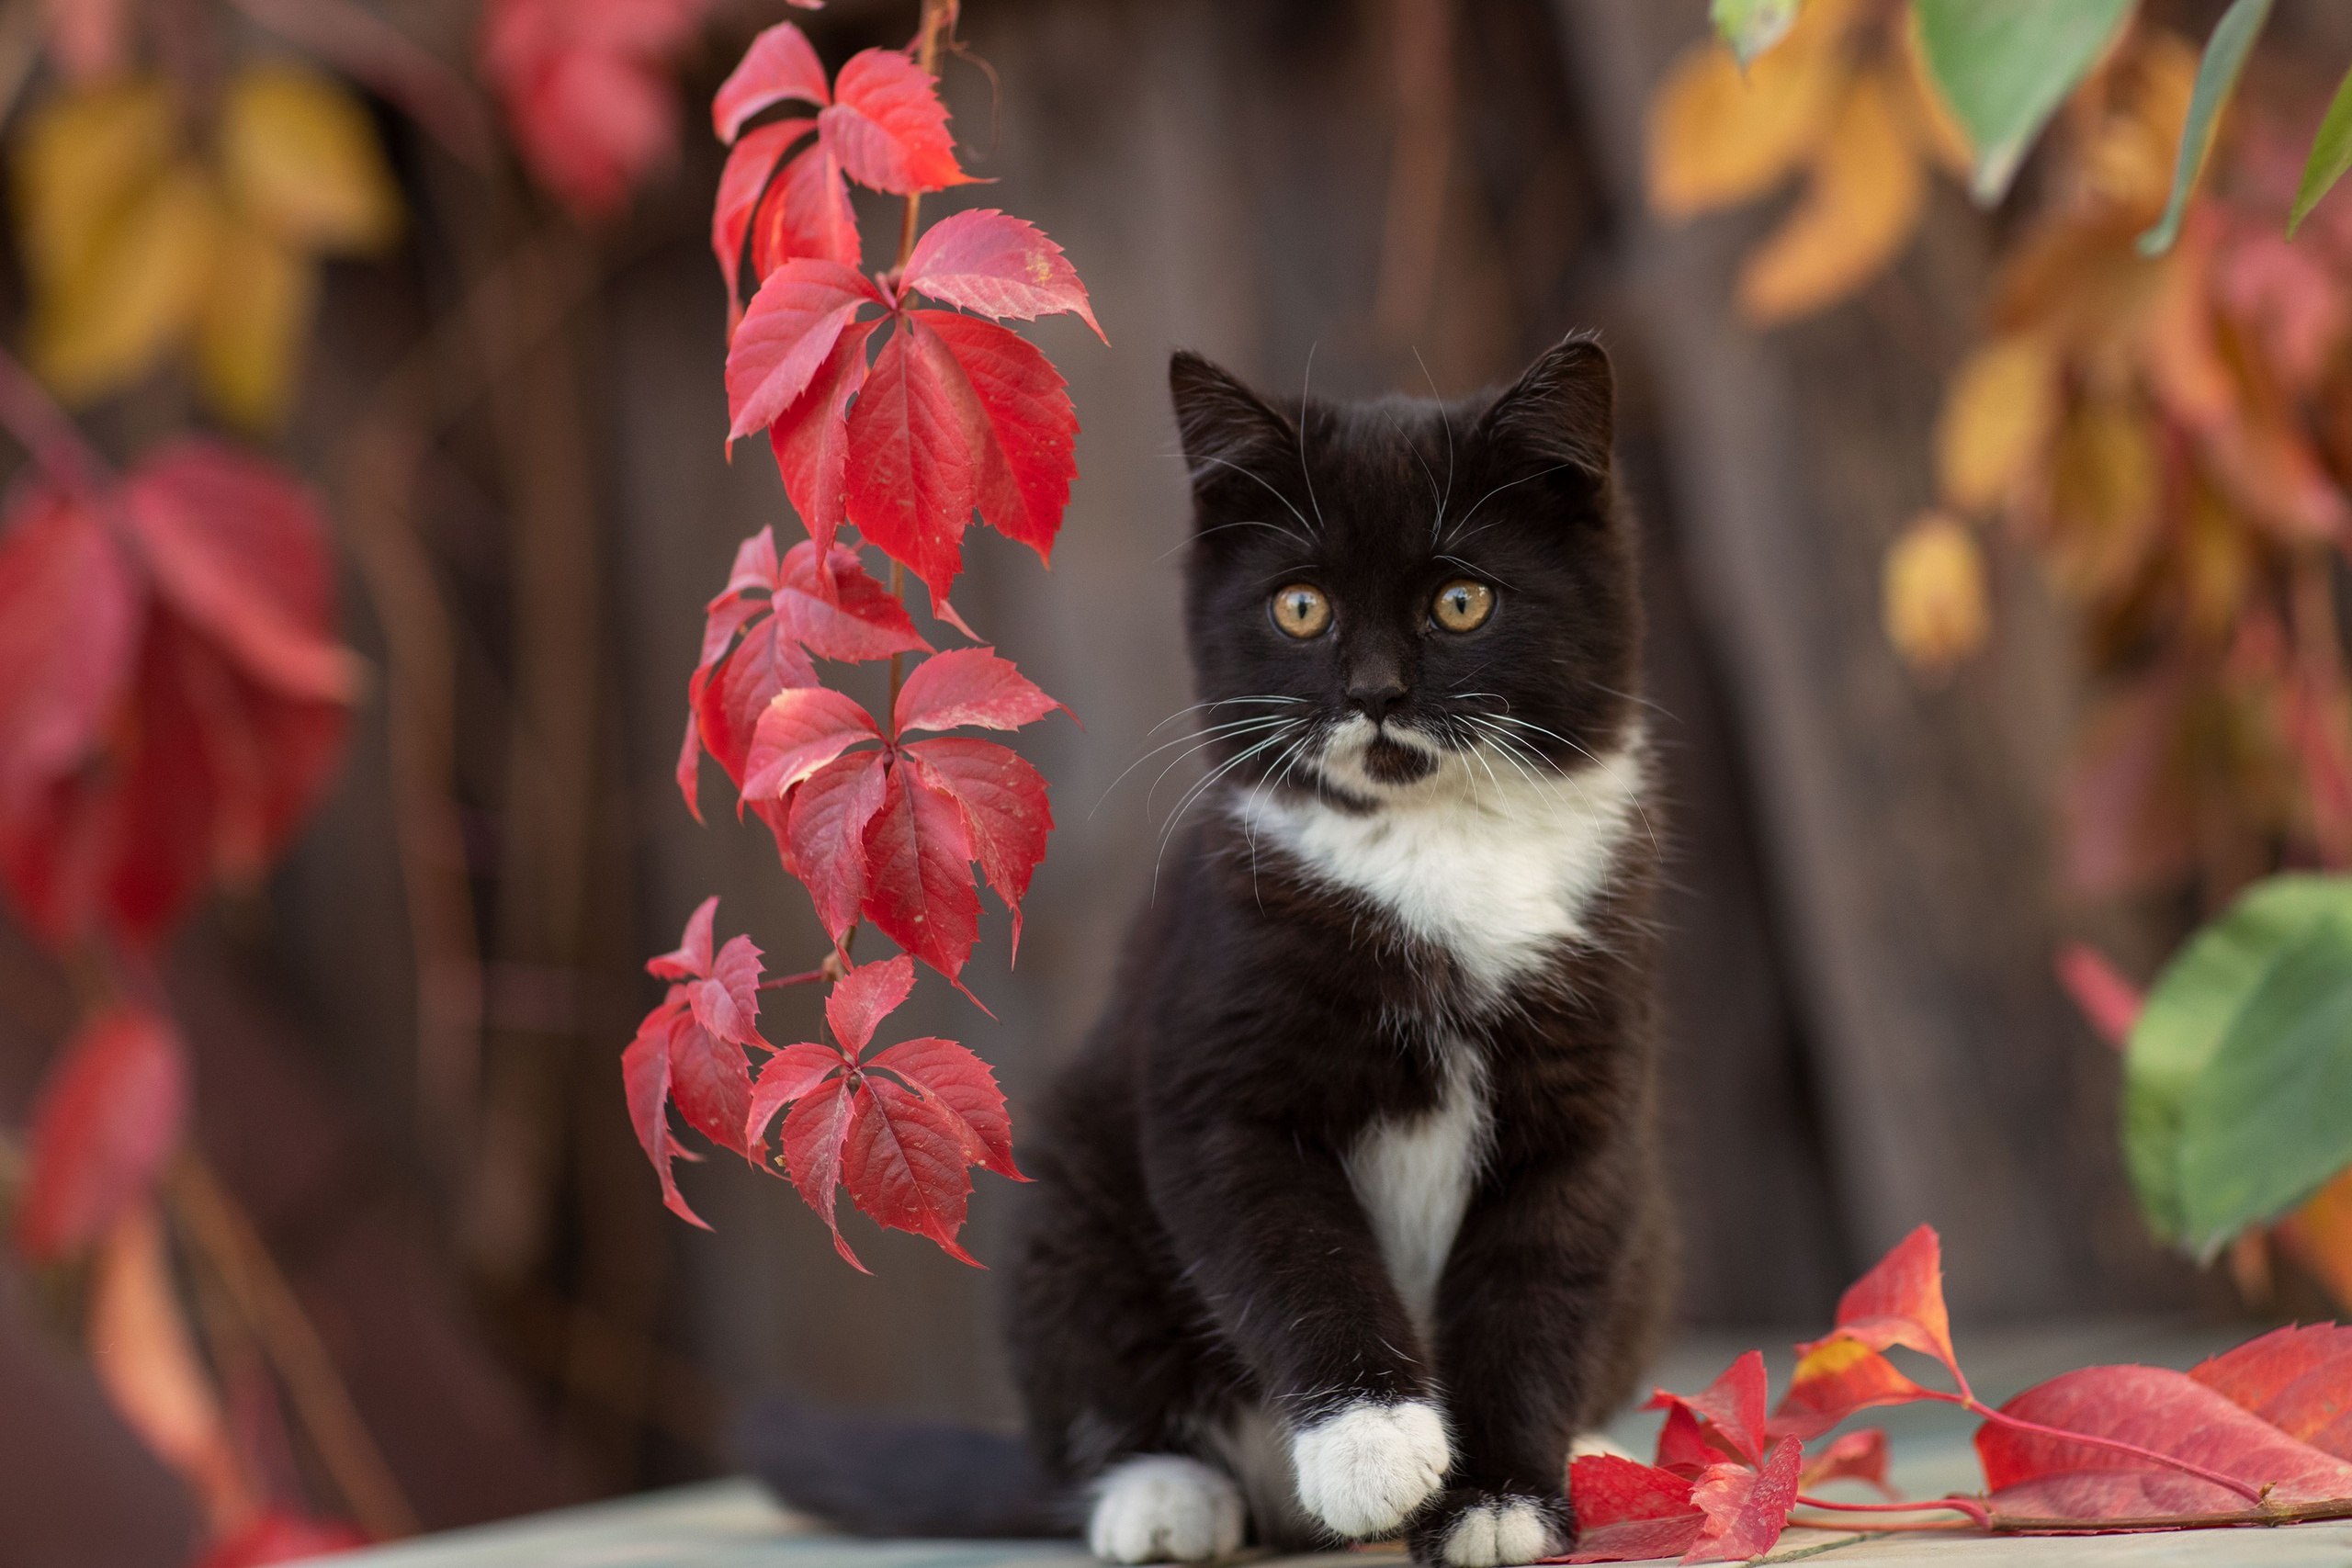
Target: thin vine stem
1968	1506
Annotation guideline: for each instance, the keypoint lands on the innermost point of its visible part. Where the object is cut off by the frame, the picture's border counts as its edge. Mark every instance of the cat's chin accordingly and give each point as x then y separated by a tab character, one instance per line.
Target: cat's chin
1391	762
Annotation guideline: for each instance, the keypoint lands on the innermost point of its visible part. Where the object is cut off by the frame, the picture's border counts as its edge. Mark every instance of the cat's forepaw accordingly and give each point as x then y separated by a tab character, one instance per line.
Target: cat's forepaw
1164	1508
1481	1530
1361	1469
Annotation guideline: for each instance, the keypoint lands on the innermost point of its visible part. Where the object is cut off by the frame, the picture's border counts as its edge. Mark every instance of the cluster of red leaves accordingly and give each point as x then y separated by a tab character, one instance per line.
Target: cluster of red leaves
586	88
2258	1433
951	415
899	1129
171	685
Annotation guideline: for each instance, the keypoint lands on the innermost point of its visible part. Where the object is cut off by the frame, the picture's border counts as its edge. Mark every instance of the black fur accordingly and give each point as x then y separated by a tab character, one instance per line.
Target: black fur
1194	1247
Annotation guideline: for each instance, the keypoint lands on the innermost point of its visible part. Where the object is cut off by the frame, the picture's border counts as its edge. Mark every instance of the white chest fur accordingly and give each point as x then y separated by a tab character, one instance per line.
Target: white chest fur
1413	1177
1495	867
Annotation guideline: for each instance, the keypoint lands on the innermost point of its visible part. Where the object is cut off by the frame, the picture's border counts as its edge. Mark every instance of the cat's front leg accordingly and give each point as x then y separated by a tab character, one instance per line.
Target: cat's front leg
1272	1236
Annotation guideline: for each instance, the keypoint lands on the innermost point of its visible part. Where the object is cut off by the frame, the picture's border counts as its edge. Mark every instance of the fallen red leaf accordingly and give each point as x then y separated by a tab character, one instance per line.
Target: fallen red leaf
1626	1511
1858	1456
1745	1508
1731	1407
1833	1378
2297	1379
111	1110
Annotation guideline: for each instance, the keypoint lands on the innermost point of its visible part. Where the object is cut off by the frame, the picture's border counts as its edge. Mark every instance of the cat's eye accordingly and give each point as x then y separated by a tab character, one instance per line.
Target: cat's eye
1301	611
1462	606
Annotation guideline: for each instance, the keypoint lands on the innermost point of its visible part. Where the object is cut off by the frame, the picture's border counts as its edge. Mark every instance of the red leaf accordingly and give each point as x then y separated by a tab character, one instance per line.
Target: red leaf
2109	1003
1856	1456
709	1079
1682	1445
915	446
964	1086
1835	1377
1625	1511
811	441
69	625
968	685
1733	1405
806	213
1025	462
826	834
585	90
689	769
278	1537
2298	1380
841	613
731	701
1003	801
645	1078
1000	267
780	64
1746	1509
691	959
741	185
786	336
800	732
904	1164
888	126
1900	1301
2157	1409
918	878
863	998
792	1072
111	1111
813	1138
728	1004
240	550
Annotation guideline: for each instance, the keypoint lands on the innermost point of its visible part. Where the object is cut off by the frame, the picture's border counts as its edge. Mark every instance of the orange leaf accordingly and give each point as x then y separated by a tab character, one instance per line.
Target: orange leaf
1860	210
1719	136
2104	495
1835	1377
1934	598
1998	414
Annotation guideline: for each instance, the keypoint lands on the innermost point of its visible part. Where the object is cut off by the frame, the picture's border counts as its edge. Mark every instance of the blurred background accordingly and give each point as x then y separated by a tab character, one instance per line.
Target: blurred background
498	367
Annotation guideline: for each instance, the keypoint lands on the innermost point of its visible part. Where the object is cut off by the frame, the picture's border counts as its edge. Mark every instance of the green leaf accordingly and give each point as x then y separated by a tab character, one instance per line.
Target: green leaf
2331	156
1751	26
2194	1050
2217	77
2005	65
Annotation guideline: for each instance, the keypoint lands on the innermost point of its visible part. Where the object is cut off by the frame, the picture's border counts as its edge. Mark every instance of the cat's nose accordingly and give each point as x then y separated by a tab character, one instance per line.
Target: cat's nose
1376	701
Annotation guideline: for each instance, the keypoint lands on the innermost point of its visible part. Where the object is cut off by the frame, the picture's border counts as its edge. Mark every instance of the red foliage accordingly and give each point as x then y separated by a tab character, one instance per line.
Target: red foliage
168	655
281	1538
110	1112
2298	1380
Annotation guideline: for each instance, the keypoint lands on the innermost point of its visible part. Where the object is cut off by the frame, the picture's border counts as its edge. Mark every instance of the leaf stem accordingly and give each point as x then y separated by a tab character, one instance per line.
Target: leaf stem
897	660
806	977
1968	1506
938	25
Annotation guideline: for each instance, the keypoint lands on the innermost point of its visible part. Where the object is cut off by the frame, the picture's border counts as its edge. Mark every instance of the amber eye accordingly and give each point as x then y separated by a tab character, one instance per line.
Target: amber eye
1301	611
1462	606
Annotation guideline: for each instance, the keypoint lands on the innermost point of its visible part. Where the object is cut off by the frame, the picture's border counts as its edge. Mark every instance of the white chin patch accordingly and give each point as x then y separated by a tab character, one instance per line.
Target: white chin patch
1164	1508
1345	759
1362	1470
1504	1532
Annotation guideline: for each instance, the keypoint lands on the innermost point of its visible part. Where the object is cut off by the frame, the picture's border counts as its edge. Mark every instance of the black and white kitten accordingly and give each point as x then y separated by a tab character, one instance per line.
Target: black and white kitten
1347	1218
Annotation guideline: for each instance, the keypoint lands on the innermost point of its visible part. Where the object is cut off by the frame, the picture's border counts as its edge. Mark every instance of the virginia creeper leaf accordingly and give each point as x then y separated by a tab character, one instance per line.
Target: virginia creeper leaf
1856	1456
800	732
1733	1405
691	957
1745	1508
904	1164
888	126
863	998
836	611
2331	156
811	441
709	1079
1682	1446
1005	811
825	829
1025	465
1626	1511
111	1110
916	446
961	1083
645	1080
999	267
741	185
815	1133
784	337
2226	53
1901	1301
805	212
69	622
790	1074
1835	1377
2298	1380
968	685
586	90
919	878
780	64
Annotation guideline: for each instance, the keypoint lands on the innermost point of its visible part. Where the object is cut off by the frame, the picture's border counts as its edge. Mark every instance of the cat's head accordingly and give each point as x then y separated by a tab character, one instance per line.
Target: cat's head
1392	599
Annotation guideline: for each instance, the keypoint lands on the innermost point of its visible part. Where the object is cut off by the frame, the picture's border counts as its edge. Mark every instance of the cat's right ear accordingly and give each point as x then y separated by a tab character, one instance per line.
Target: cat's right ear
1227	428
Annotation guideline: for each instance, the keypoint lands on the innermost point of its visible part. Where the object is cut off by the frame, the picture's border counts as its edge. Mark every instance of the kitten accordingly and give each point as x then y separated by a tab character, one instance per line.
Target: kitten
1347	1217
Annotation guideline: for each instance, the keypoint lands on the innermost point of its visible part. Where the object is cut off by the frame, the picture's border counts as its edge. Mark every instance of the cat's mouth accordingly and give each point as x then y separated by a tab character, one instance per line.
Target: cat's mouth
1365	758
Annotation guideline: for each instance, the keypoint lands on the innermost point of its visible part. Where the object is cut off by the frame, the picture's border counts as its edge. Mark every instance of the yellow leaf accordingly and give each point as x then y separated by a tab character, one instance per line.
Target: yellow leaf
1719	136
249	340
136	297
2216	565
299	156
1859	211
1997	415
2319	1234
2104	495
1933	594
81	160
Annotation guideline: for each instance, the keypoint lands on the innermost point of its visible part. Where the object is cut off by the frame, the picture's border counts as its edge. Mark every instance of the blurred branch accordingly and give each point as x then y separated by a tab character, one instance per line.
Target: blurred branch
373	53
226	1235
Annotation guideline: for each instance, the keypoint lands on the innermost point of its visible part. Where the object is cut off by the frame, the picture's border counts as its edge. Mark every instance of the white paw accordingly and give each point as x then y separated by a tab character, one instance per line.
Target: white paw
1589	1444
1505	1531
1361	1470
1164	1508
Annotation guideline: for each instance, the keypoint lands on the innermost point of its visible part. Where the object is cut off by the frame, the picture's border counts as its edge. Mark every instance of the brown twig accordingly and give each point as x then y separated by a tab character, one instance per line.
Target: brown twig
213	1219
938	30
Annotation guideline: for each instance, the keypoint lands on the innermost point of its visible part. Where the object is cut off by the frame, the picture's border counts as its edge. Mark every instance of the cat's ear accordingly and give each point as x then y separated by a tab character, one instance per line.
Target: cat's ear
1563	411
1225	426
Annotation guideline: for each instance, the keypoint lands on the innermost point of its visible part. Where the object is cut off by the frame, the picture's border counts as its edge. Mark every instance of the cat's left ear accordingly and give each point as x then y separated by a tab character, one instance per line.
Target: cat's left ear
1562	411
